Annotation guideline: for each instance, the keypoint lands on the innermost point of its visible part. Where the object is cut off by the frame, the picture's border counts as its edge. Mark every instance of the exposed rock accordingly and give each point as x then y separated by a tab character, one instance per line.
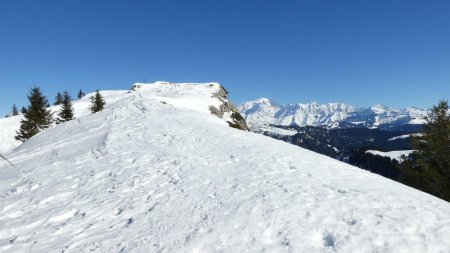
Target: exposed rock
136	86
228	111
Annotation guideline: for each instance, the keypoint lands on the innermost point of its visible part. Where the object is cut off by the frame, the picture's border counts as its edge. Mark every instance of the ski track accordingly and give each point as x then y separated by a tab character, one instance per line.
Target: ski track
152	177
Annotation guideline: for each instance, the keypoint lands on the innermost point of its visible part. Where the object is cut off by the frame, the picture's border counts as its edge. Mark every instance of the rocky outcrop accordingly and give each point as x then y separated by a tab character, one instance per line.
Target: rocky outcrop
228	111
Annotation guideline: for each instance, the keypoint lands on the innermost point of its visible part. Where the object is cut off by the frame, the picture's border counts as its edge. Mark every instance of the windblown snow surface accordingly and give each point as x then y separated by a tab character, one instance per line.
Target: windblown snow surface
156	172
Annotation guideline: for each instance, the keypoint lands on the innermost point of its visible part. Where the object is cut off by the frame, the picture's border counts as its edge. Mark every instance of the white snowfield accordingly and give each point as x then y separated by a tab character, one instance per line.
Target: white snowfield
397	154
156	172
279	131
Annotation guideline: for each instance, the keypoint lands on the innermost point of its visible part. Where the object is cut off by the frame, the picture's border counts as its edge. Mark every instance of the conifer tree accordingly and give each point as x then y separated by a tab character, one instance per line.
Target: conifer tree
97	102
80	94
14	110
58	99
429	169
23	110
66	111
37	117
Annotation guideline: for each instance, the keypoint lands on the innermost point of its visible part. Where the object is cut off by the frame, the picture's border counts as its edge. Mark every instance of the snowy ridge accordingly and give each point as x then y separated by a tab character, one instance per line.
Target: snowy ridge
264	111
155	172
197	97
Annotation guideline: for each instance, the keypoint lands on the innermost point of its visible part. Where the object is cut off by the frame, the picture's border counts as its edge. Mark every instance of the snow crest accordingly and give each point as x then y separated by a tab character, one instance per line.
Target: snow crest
194	96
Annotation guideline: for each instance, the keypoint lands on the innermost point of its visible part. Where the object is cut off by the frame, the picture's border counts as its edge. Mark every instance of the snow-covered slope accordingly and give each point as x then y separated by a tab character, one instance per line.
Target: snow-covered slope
156	172
216	100
397	154
9	126
265	111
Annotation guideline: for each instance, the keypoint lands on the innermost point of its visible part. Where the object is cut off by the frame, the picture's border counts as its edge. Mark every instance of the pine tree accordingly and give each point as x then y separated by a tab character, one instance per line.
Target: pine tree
58	99
66	111
97	102
429	169
81	94
14	110
23	110
37	117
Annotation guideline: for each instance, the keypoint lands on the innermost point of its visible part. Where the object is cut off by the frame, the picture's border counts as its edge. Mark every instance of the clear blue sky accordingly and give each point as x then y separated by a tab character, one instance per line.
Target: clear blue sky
395	52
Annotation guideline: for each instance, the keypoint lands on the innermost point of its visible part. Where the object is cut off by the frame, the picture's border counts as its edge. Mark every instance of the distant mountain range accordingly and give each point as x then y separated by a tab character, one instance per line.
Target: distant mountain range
264	111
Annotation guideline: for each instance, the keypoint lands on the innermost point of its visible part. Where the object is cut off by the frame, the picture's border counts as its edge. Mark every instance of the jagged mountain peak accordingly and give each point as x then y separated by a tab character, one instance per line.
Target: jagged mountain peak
265	101
330	115
379	108
327	106
260	102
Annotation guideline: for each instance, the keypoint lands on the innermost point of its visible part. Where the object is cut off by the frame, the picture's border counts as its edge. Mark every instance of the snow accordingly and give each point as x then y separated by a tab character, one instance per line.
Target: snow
403	136
147	176
399	137
264	111
279	131
8	128
417	121
397	155
259	112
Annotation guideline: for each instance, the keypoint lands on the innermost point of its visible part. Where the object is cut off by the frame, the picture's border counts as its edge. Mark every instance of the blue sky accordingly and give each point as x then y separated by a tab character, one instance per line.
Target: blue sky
394	52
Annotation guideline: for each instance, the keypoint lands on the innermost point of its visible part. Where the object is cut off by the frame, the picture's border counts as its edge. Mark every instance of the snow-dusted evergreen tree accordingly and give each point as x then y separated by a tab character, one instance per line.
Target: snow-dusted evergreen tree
97	102
58	99
14	111
23	110
80	94
66	111
429	169
37	116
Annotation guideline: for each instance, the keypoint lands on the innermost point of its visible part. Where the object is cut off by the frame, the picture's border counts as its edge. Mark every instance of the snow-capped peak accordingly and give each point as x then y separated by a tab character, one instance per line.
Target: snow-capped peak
259	103
379	109
264	101
260	112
